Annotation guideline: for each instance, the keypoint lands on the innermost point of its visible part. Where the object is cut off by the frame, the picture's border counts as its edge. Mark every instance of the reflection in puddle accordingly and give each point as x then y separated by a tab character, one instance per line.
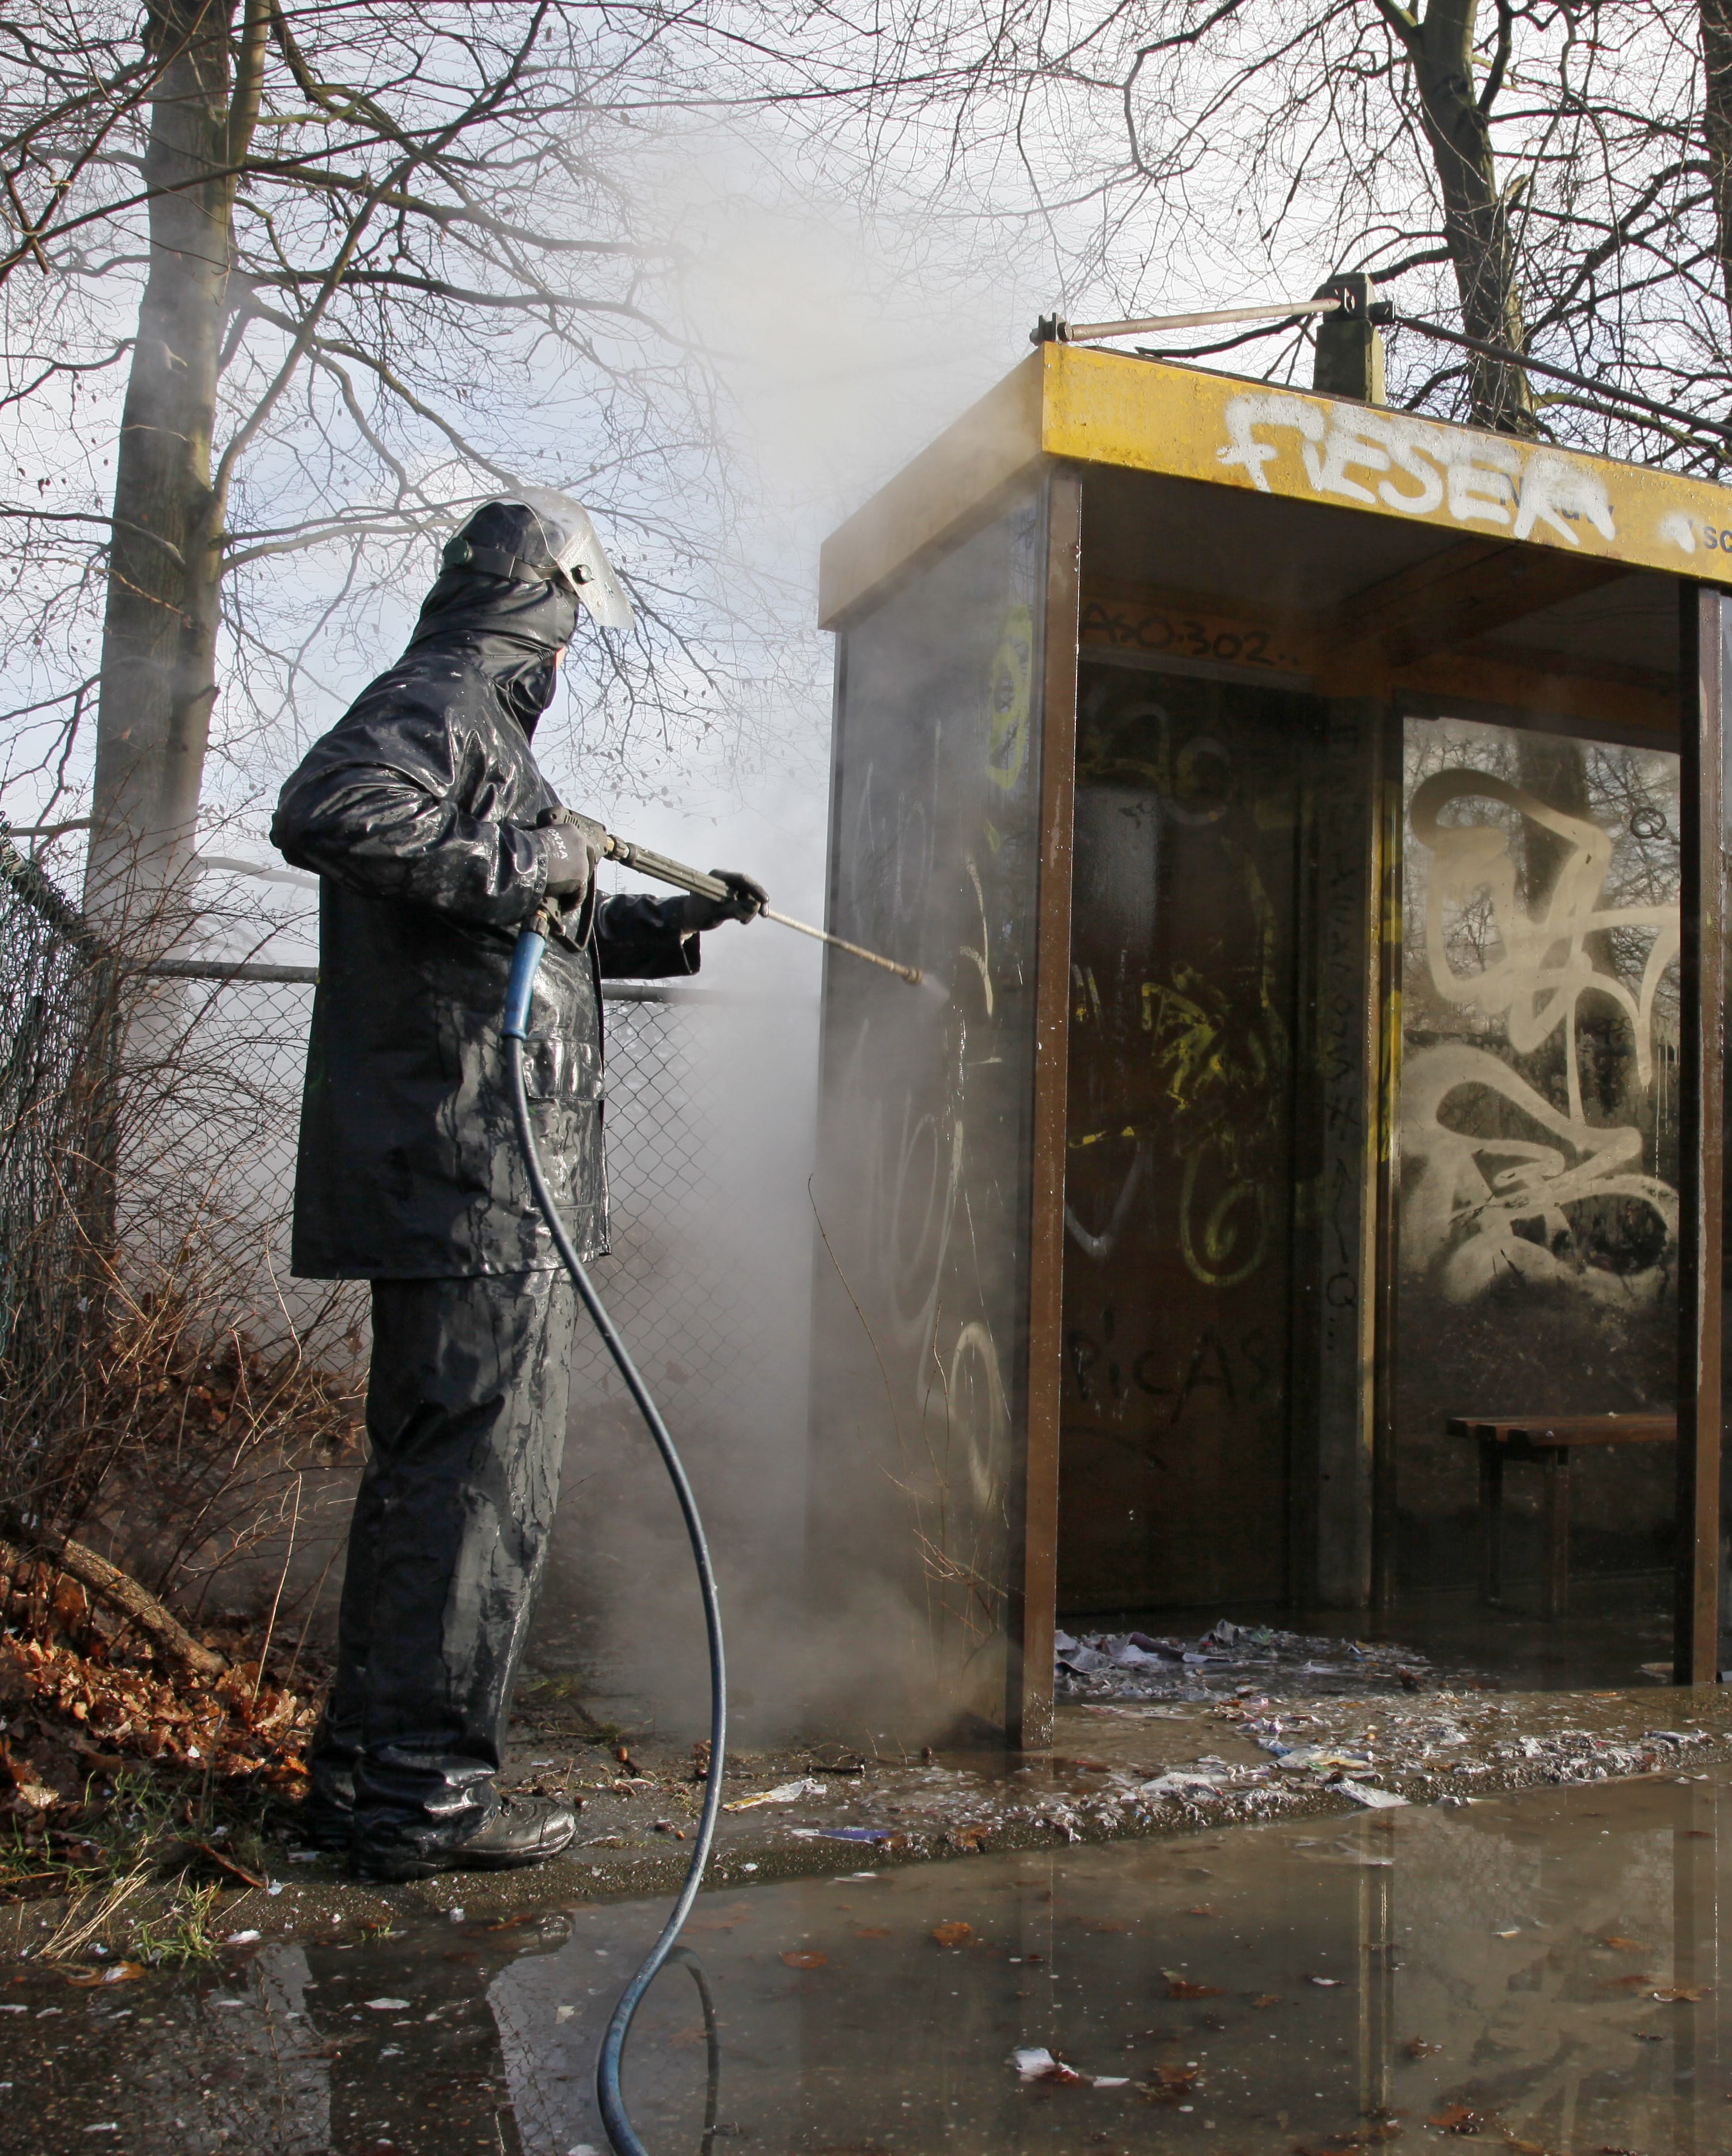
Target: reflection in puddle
1539	1972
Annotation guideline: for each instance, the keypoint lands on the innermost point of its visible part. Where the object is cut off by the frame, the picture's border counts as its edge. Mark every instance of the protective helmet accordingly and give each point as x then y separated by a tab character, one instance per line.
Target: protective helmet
539	536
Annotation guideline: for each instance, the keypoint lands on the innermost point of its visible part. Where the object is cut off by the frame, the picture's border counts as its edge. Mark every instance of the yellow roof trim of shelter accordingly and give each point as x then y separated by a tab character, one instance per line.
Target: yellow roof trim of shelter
1104	407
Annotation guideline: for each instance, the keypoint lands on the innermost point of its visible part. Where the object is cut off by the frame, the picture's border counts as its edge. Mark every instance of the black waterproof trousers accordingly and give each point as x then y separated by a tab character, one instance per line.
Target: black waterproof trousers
465	1425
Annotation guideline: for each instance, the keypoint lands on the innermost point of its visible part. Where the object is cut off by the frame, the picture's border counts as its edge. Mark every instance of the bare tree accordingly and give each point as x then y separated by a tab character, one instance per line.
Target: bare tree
355	263
1717	126
1439	43
285	284
1548	176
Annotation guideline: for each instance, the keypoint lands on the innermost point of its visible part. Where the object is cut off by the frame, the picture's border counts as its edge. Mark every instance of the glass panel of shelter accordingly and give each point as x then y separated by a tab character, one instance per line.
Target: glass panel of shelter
1535	1189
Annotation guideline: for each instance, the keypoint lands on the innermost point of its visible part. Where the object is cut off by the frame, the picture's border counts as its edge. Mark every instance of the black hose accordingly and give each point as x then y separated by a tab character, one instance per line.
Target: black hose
524	964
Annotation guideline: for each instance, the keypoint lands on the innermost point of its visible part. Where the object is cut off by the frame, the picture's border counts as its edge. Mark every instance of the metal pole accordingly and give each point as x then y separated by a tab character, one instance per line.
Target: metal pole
1269	310
1707	618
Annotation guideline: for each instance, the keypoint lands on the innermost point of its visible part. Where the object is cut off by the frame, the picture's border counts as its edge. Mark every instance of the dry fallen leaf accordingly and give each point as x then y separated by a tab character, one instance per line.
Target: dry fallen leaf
1681	1994
1619	1945
952	1934
116	1972
1181	1987
1416	2047
1202	1909
803	1958
1266	1998
1457	2119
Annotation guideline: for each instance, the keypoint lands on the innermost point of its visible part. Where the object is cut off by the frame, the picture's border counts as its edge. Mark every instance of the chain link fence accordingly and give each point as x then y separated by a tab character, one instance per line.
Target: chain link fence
56	1049
203	1163
666	1278
662	1279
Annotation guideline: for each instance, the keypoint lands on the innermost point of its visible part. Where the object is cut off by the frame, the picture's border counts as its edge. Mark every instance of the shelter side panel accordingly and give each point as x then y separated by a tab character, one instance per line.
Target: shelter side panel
1178	1273
922	1189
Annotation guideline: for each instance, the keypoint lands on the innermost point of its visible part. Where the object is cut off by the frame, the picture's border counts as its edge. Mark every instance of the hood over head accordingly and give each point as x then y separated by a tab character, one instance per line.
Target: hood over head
500	578
503	596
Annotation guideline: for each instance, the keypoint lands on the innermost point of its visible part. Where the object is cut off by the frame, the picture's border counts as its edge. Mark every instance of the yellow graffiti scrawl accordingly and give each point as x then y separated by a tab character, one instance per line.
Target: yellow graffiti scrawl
1225	1073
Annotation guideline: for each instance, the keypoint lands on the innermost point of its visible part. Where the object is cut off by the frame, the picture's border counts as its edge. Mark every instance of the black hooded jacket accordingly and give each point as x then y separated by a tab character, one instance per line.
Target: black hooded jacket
419	812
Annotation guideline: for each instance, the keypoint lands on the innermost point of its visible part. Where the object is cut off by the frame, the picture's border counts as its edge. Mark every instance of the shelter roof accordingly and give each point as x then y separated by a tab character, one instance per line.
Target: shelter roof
1431	485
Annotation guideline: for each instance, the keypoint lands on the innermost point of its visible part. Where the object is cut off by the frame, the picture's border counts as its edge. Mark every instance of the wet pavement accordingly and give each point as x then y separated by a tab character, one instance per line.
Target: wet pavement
1118	1771
1538	1972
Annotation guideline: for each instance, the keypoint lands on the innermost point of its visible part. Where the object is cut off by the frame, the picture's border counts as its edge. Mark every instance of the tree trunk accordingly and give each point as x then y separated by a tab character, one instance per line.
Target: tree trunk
158	679
1476	216
1717	126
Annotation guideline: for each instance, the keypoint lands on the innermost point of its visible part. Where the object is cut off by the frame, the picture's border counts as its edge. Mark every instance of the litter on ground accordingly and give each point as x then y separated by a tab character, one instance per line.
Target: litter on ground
784	1793
1231	1659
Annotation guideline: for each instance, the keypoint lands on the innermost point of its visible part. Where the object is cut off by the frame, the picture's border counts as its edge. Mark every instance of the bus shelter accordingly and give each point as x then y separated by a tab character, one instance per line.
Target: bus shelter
1296	1186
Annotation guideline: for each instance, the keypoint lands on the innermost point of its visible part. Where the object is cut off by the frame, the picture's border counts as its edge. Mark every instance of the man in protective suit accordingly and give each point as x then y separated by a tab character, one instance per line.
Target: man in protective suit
435	839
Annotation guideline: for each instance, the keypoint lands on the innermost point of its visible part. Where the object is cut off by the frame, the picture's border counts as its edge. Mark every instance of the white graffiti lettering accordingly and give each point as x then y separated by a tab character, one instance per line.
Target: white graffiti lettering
1481	480
1489	1183
1497	1205
1545	968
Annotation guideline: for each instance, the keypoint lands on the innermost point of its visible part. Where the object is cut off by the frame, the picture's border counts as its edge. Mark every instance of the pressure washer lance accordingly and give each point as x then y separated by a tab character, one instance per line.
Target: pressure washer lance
681	878
525	964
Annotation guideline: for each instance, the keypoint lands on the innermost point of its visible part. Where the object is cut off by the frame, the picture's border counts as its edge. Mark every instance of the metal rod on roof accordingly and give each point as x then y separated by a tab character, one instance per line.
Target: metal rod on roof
1053	330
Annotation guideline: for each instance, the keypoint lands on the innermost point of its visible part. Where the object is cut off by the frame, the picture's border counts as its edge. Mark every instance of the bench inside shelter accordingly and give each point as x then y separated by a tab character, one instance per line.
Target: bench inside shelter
1547	1442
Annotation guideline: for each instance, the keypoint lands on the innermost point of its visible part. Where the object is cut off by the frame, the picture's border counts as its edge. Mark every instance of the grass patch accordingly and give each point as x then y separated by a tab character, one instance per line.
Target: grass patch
182	1934
164	1845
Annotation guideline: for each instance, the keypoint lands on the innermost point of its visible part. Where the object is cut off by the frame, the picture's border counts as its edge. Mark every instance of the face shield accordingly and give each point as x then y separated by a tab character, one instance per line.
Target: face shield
577	554
573	557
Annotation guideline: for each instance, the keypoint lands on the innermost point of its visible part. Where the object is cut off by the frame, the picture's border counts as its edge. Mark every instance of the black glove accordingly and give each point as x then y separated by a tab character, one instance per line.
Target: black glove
744	901
575	843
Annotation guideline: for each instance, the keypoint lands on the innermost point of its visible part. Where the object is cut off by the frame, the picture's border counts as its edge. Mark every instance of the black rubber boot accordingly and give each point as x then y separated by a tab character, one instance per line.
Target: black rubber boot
325	1818
522	1830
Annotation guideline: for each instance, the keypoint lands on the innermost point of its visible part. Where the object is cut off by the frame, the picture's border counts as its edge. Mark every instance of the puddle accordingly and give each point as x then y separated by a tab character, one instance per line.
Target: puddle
1536	1972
